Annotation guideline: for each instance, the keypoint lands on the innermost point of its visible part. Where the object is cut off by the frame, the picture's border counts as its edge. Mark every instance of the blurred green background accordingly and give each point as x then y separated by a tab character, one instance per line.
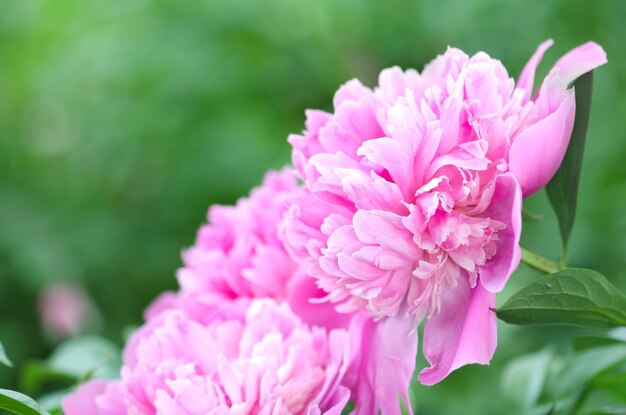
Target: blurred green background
121	122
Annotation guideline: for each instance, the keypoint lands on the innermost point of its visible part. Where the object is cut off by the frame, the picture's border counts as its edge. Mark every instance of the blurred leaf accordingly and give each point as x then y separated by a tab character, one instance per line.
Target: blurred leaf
84	355
616	385
523	378
571	296
37	374
608	411
563	188
590	340
4	359
20	404
530	215
52	401
128	331
583	367
75	360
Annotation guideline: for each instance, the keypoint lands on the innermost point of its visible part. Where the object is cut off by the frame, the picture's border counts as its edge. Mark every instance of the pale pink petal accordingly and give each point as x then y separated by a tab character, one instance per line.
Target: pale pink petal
372	192
395	345
505	207
462	332
527	77
383	360
580	60
83	400
537	152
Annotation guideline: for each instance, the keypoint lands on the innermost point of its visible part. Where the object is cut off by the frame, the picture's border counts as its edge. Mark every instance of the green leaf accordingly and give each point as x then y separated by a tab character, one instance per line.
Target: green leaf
589	340
616	385
524	377
36	374
563	188
87	355
572	296
20	404
4	359
52	401
585	366
77	359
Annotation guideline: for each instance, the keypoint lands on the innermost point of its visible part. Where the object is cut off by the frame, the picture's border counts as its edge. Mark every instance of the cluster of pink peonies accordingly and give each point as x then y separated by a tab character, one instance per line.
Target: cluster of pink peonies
302	298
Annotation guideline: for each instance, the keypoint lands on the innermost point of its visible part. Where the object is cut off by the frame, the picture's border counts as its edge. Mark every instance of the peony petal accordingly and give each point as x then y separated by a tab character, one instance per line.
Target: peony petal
580	60
83	400
462	332
537	152
506	207
527	77
395	345
383	361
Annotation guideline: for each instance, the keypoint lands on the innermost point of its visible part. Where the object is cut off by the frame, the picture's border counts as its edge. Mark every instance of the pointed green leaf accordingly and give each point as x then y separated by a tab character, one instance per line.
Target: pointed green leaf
572	296
20	404
563	188
4	359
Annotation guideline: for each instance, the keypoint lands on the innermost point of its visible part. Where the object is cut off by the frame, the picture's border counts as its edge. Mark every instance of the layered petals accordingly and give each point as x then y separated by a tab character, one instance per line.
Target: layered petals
264	361
416	211
506	207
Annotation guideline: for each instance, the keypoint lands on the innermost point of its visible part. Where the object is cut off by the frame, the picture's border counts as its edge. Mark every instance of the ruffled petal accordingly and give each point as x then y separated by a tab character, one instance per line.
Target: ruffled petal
505	207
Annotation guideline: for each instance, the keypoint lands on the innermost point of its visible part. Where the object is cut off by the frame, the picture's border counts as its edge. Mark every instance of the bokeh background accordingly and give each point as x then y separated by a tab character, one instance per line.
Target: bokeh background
121	122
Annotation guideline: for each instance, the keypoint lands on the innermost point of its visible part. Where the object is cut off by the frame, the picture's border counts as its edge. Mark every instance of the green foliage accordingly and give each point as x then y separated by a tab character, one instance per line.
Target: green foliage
523	379
584	366
4	359
545	381
571	296
563	188
20	404
584	341
76	360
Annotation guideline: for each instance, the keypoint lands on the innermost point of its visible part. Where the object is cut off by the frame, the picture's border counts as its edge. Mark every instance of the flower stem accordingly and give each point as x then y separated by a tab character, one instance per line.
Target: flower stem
540	263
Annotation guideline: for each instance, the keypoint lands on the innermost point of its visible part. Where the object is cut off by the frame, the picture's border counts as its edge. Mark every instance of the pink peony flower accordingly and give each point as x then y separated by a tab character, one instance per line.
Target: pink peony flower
413	192
238	252
377	357
243	357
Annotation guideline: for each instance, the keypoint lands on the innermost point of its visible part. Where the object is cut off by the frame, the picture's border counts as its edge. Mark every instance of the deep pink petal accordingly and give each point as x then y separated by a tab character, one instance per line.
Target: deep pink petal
580	60
527	77
537	152
462	332
302	297
505	207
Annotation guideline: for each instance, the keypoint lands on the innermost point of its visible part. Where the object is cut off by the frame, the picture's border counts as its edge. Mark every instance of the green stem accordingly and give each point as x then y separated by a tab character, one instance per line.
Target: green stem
540	263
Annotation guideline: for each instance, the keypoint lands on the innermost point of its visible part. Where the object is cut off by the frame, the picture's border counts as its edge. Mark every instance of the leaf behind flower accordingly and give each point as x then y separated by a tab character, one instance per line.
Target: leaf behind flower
579	297
563	188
